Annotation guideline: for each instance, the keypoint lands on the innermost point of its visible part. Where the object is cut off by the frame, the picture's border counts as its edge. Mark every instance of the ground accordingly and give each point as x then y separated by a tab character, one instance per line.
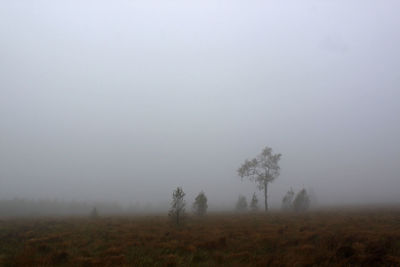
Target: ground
323	238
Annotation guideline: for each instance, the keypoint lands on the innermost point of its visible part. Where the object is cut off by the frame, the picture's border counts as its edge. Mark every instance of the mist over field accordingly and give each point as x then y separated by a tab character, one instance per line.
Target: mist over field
123	101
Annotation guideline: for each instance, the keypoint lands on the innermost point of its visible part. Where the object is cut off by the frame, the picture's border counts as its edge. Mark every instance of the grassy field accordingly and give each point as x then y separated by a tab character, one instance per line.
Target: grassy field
325	238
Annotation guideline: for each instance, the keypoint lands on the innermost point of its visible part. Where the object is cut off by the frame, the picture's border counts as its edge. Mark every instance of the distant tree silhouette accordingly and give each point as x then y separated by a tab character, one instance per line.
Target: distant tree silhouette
241	204
177	210
262	169
287	201
94	214
254	203
302	201
200	204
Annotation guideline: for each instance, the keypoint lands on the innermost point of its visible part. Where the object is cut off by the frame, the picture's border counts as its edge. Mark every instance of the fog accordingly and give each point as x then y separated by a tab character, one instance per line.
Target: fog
123	101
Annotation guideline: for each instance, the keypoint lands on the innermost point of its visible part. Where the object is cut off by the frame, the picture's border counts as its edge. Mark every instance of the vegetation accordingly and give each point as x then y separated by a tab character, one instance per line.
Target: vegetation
254	203
94	214
302	201
46	207
287	201
241	204
177	210
200	204
262	169
330	238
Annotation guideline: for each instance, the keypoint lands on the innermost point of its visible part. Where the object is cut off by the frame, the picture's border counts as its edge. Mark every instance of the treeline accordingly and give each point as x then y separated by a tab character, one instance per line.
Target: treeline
53	207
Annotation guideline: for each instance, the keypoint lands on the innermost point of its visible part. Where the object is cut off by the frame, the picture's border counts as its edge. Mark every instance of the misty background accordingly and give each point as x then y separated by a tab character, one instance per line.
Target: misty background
123	101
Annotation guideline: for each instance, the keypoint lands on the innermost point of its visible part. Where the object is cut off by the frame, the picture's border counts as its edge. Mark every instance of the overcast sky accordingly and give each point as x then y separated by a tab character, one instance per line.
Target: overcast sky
125	100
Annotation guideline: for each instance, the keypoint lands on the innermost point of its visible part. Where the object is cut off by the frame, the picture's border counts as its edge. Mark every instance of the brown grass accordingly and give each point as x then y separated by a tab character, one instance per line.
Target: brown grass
359	238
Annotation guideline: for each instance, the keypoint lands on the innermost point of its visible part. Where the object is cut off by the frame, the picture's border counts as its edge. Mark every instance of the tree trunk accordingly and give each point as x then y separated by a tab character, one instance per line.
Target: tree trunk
265	196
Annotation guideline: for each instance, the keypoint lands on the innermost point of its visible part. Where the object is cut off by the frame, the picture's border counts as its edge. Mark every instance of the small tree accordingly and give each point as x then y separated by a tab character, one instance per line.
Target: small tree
287	201
254	203
177	206
263	169
302	201
200	204
241	204
94	214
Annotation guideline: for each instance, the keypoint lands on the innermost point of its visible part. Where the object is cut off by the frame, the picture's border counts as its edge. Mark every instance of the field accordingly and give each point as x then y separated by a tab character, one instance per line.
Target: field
323	238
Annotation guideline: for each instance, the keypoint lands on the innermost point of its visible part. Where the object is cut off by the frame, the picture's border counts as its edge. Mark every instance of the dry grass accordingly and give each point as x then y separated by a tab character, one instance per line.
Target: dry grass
360	238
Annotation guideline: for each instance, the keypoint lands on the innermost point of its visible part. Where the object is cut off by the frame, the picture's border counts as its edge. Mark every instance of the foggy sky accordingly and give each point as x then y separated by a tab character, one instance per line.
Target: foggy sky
125	100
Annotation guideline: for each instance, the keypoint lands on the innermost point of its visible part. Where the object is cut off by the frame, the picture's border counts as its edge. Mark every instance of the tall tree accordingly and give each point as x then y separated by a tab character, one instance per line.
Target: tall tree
177	205
200	204
262	169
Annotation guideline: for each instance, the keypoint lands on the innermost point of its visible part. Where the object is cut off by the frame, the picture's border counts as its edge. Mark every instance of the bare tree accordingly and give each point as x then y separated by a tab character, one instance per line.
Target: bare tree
254	203
177	205
200	204
262	169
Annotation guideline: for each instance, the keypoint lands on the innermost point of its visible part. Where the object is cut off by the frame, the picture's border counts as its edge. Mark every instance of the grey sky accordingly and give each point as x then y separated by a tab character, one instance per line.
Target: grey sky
125	100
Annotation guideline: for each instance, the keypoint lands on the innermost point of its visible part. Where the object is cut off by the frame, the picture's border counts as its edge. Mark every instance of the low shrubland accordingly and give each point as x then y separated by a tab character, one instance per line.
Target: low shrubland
368	237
